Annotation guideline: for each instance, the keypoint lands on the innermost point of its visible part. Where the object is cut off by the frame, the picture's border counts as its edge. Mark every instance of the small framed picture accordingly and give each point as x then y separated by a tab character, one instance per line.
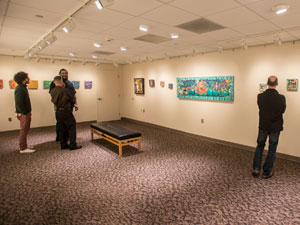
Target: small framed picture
76	84
139	86
1	84
33	84
46	84
170	86
263	87
292	85
152	83
162	84
88	84
12	84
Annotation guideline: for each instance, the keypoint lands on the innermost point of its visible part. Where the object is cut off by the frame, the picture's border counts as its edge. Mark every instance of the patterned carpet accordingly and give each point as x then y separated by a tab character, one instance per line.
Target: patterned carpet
176	179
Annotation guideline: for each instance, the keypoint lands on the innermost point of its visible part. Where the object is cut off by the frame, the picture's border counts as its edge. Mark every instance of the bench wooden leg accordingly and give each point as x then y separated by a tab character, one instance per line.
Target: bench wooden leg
92	134
139	145
120	150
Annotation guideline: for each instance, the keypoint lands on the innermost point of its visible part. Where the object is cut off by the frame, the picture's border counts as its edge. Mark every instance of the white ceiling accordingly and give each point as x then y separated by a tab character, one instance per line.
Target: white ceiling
251	21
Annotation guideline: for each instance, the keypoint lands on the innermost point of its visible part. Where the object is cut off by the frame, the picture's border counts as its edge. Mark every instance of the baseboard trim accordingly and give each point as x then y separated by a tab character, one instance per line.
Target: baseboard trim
38	128
222	142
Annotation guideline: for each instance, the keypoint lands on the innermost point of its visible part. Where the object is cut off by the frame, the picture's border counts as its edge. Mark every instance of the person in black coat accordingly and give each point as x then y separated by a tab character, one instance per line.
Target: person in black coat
271	106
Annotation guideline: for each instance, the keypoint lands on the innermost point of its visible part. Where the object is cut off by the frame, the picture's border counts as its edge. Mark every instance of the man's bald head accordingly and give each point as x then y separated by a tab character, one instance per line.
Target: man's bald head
272	81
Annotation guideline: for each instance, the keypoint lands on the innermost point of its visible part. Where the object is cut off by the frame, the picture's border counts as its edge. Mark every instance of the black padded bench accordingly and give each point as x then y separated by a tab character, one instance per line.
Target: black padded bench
115	134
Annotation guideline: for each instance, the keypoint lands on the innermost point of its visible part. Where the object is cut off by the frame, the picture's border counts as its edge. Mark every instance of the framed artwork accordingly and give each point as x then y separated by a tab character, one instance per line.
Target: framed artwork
12	84
292	84
46	84
162	84
152	83
76	84
88	84
1	84
170	86
263	87
139	86
33	84
218	88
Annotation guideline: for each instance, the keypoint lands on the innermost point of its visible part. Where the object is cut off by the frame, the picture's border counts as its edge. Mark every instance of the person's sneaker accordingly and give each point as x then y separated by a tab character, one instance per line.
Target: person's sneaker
255	173
266	176
76	147
27	150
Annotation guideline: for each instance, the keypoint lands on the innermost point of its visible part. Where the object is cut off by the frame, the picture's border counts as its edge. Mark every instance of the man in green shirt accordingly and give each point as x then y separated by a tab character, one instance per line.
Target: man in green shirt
23	110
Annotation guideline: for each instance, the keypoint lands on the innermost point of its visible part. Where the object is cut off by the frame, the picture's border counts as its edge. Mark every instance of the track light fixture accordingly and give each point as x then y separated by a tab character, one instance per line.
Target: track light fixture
38	59
68	26
220	48
50	39
277	40
99	4
115	64
123	49
69	61
244	45
42	44
97	63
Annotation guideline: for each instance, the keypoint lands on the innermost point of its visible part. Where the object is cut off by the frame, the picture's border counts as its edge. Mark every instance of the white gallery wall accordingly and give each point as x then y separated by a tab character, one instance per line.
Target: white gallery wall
235	121
42	108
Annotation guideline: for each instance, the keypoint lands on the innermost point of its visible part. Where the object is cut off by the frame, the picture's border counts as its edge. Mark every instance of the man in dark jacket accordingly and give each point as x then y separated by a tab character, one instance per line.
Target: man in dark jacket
66	123
68	85
23	110
271	107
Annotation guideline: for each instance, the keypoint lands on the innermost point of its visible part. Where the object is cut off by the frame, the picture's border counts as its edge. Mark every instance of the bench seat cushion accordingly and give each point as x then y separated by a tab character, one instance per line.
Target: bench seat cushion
115	131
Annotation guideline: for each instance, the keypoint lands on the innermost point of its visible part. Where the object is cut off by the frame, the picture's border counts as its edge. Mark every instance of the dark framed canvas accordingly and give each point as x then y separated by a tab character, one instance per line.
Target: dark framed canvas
219	88
139	86
1	84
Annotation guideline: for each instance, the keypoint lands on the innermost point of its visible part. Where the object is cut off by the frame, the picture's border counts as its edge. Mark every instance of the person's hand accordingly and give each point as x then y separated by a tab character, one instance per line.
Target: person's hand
54	107
18	115
76	107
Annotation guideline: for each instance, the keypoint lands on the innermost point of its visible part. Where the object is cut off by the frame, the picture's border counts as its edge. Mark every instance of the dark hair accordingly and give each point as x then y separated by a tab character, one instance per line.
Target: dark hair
62	70
57	78
20	77
272	83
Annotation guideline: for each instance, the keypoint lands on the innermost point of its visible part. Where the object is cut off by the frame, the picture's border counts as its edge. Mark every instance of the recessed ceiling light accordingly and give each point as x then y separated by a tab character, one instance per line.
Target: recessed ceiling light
174	35
97	45
144	28
71	54
123	48
279	9
94	57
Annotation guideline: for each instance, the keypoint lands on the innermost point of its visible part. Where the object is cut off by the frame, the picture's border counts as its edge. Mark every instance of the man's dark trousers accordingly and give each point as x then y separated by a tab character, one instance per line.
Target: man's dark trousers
261	141
66	124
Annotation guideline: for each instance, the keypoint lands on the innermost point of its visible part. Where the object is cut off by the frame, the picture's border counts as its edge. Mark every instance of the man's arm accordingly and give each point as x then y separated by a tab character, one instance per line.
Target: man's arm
284	104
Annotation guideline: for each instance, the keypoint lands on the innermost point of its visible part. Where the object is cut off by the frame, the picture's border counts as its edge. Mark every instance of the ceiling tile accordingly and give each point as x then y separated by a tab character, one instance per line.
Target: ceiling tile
106	16
256	28
235	17
135	7
27	13
65	6
169	15
204	7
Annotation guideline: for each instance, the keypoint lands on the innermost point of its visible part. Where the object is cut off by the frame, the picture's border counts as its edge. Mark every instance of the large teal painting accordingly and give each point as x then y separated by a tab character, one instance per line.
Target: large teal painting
206	88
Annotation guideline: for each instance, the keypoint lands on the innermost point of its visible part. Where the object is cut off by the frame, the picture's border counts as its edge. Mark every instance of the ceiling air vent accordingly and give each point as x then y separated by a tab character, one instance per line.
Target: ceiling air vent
152	38
200	26
103	53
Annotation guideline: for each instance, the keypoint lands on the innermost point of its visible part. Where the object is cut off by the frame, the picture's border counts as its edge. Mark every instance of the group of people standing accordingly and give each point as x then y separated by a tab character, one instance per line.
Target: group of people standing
271	106
63	96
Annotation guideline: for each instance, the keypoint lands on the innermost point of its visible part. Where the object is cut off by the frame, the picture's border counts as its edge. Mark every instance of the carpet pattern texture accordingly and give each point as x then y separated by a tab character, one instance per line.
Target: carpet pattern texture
176	179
